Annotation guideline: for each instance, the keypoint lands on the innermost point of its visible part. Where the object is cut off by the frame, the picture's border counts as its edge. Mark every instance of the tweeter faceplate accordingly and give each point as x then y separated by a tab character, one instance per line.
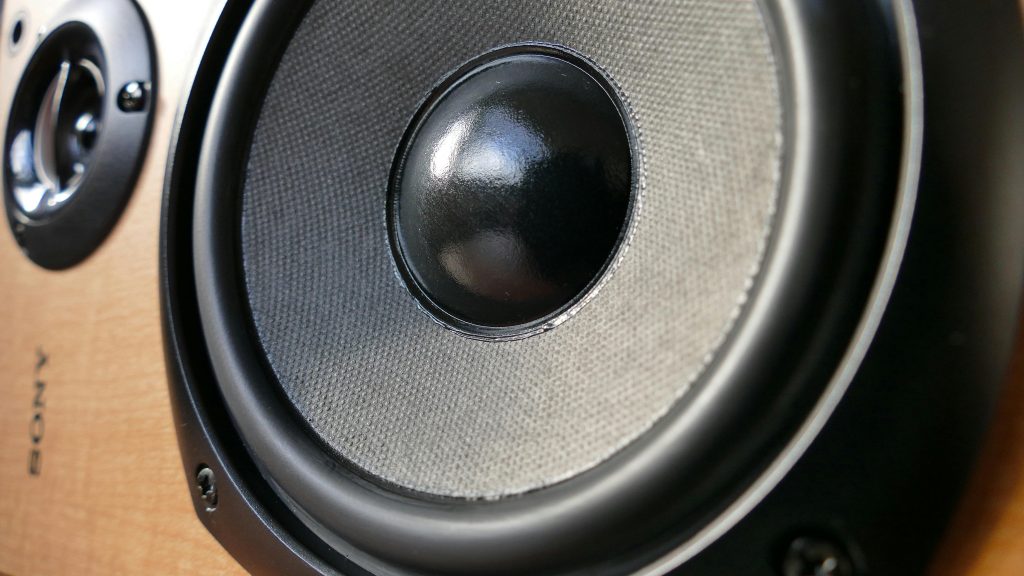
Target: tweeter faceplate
77	131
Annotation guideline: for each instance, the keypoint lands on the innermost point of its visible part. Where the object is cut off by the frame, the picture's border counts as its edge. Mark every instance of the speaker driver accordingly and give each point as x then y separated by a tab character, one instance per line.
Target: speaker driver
77	130
546	288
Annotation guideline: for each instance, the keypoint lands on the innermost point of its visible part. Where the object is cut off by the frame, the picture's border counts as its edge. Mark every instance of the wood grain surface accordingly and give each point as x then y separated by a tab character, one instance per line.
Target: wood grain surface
111	496
986	538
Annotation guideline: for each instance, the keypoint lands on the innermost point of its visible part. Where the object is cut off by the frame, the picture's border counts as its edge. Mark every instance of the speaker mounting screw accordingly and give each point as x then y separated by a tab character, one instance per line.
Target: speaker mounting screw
206	482
132	97
813	556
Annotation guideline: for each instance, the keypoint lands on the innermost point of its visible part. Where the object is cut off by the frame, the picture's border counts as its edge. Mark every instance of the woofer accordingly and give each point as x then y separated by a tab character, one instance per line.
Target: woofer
734	380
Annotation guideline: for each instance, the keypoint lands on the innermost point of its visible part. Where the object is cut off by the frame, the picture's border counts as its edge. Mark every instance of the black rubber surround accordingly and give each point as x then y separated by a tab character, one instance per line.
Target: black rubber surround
562	224
841	177
121	42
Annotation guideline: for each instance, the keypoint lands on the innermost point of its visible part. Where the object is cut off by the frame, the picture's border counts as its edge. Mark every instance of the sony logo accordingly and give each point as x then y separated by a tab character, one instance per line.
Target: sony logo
37	427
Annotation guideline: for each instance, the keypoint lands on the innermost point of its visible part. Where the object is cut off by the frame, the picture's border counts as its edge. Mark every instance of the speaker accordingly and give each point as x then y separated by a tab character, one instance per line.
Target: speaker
575	287
77	129
591	287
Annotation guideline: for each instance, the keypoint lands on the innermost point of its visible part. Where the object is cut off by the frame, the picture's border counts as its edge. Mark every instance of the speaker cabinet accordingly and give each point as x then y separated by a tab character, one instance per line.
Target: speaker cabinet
578	287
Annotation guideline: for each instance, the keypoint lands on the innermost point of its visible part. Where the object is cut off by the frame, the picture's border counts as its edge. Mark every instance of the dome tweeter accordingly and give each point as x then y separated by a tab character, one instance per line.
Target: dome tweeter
77	130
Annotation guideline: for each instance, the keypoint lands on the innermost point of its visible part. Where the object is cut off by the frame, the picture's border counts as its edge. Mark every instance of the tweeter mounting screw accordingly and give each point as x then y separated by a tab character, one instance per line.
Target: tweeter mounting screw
814	556
132	97
206	482
17	31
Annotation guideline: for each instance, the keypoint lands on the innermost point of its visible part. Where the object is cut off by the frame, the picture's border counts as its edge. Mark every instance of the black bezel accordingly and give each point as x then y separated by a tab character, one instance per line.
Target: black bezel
123	41
853	125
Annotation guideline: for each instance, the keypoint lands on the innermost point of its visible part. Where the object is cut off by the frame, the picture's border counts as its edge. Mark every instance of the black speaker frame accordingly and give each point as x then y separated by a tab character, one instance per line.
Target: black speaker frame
268	533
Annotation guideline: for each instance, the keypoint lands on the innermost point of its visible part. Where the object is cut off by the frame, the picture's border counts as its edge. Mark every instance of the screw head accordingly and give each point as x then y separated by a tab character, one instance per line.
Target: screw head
16	32
811	556
132	97
206	483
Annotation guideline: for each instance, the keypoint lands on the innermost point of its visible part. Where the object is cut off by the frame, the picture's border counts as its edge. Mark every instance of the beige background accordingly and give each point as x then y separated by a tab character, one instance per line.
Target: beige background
112	497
